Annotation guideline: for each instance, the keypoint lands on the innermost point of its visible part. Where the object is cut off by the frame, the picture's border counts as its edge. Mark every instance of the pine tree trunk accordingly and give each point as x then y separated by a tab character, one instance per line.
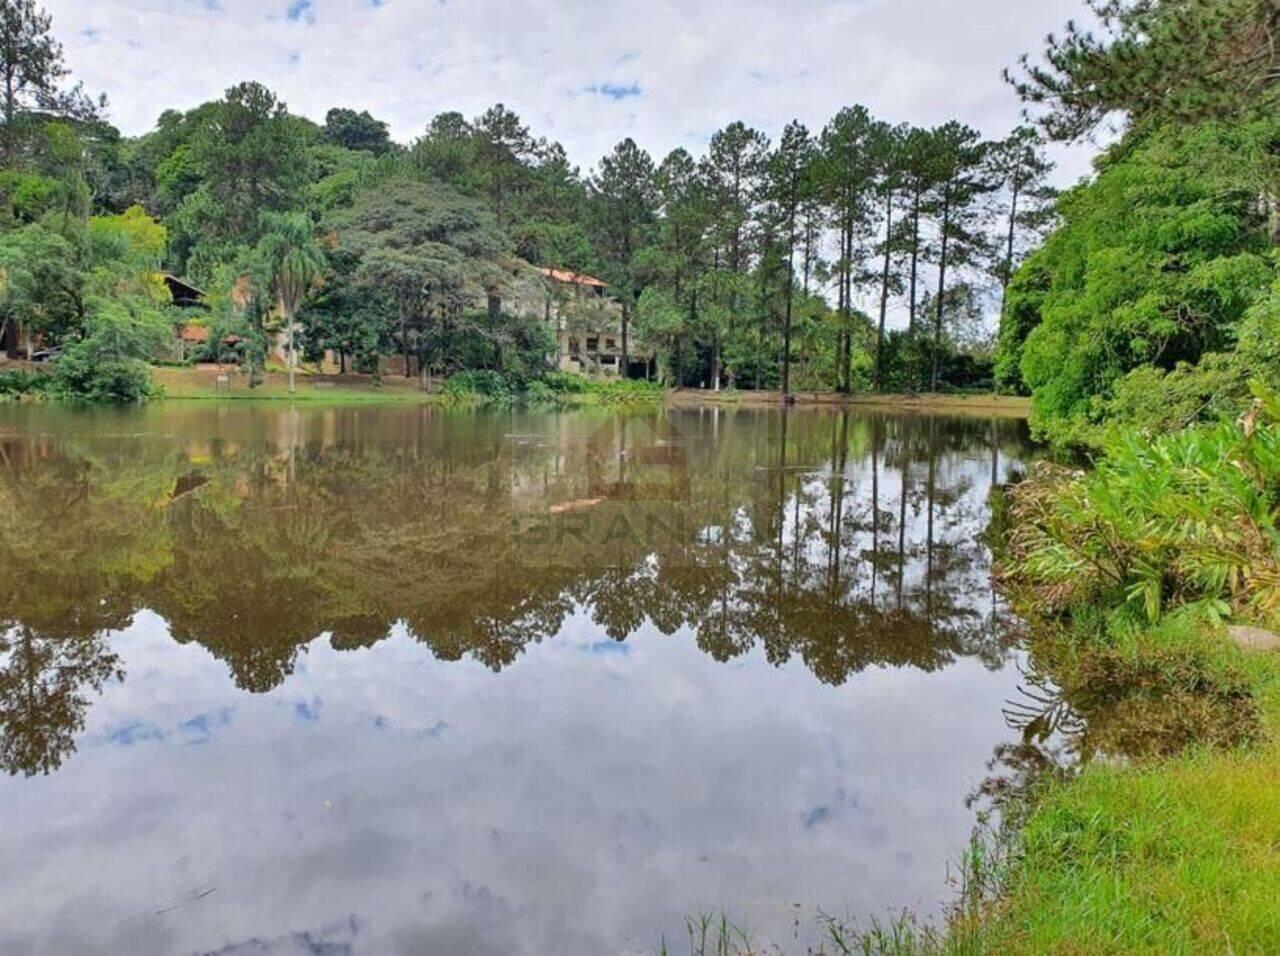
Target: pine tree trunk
942	291
293	353
1006	275
915	273
884	293
846	309
625	368
791	282
404	341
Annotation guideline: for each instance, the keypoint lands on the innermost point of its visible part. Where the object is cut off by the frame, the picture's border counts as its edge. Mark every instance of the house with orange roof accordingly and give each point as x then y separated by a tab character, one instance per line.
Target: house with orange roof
587	324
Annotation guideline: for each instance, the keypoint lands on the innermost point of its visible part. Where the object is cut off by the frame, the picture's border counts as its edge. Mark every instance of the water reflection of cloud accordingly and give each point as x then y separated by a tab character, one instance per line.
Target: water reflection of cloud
307	711
605	796
126	735
200	728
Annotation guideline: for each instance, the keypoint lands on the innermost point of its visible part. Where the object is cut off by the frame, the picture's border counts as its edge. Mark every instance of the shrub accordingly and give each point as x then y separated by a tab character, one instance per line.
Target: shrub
566	383
79	375
626	391
15	382
478	384
540	392
108	363
1182	519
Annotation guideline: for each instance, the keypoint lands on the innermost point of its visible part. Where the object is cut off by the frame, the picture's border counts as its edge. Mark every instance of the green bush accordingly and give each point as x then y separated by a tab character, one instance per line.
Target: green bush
566	383
79	375
540	392
626	391
108	364
478	384
16	382
490	386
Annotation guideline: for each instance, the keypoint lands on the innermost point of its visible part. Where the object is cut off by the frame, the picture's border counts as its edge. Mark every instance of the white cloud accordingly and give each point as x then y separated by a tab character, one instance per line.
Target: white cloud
565	65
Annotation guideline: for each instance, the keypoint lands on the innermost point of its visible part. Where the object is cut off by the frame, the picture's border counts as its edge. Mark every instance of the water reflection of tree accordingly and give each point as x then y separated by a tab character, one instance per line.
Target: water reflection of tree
45	683
840	540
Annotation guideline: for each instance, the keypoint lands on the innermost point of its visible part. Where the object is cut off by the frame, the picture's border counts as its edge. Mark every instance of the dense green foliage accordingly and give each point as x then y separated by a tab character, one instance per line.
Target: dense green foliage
1152	304
1155	267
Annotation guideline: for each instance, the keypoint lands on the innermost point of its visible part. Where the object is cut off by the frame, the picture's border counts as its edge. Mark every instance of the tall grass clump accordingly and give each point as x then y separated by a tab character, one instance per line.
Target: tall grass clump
901	935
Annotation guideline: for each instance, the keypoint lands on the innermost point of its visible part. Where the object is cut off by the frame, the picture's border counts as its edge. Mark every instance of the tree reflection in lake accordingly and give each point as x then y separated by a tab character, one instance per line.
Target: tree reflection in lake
841	541
254	535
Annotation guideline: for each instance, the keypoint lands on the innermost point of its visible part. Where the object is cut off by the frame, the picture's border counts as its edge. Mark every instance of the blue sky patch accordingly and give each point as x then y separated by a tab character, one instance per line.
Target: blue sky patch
815	816
614	91
137	731
301	10
609	647
199	729
435	731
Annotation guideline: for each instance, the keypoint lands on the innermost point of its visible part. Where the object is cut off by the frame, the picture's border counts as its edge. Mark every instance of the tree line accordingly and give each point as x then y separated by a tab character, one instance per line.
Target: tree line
758	264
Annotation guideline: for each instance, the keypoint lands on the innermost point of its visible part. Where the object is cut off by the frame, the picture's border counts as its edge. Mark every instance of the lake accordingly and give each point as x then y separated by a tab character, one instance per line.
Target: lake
417	680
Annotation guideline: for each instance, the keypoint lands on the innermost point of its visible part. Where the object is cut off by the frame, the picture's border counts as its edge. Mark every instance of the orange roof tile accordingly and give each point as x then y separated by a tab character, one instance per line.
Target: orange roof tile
575	278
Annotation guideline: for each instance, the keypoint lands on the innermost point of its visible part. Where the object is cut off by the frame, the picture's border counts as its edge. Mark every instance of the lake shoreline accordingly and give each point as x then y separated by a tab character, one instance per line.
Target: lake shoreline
201	385
1003	405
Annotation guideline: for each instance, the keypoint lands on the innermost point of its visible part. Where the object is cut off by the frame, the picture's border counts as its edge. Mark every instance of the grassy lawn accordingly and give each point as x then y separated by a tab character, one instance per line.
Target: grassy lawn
1003	406
200	383
1179	856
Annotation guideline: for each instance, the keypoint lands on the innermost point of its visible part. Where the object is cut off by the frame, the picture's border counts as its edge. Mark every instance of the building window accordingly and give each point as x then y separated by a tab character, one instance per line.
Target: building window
593	345
611	343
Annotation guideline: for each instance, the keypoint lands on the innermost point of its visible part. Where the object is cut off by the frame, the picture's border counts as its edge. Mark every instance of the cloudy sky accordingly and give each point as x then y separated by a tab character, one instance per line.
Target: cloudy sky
585	72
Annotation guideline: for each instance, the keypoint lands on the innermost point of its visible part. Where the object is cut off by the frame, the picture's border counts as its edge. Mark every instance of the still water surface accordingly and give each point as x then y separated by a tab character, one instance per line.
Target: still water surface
408	680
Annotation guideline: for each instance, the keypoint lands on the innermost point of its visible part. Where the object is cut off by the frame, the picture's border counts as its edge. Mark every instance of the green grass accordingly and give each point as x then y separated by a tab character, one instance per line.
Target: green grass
1176	850
1181	855
897	936
331	396
199	384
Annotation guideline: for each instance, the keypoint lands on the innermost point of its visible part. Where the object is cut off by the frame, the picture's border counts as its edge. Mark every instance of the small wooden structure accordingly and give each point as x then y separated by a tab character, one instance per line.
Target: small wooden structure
184	294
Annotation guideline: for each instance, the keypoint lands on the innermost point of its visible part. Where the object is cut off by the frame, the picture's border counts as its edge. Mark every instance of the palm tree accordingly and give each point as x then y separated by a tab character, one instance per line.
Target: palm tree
293	260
